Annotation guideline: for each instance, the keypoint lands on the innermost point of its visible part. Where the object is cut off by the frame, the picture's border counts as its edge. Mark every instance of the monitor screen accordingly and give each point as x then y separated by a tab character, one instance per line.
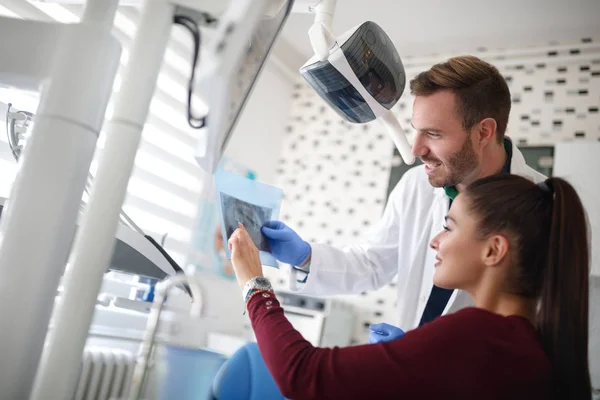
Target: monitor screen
234	60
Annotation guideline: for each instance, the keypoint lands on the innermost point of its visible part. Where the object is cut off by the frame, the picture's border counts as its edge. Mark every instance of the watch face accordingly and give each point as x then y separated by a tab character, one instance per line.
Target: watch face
261	281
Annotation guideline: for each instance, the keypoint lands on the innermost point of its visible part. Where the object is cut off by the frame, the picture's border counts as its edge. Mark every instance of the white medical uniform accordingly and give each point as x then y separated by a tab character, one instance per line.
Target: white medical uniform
397	244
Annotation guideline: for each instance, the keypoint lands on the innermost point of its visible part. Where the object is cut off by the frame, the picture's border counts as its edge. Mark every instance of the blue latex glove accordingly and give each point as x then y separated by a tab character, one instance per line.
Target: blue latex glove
286	245
384	333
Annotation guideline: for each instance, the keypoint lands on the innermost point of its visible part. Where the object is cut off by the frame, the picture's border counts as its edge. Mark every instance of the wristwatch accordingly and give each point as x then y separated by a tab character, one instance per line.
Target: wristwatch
256	283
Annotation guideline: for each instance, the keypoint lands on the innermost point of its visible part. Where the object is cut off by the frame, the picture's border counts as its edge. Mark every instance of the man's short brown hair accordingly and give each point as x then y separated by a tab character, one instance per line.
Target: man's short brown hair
481	91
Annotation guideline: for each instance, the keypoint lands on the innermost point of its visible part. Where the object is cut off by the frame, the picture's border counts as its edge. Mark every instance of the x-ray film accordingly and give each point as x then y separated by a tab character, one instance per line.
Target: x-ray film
251	203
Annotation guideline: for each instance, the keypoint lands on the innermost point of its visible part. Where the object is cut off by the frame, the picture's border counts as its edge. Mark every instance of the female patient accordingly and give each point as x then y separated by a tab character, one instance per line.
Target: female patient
520	250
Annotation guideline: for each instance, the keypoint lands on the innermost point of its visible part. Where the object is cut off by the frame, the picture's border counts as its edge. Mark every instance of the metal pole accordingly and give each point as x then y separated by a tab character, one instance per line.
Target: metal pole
138	379
94	243
37	226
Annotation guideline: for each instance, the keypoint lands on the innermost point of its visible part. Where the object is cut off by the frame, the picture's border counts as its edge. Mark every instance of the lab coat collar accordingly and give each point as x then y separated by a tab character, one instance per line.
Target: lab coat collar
517	161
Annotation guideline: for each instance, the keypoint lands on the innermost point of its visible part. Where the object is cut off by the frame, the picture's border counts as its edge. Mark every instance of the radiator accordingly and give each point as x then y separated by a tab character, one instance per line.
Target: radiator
105	374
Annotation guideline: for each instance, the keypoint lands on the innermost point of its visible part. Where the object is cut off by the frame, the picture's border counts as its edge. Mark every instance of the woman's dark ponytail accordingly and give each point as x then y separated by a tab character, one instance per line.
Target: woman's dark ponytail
548	229
563	313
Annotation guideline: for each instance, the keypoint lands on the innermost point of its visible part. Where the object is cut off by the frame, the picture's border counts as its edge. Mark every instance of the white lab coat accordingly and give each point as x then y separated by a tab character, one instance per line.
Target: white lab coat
397	244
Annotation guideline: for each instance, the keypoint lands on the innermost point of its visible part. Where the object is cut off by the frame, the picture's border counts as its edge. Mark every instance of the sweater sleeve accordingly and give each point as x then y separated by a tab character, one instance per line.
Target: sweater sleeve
301	371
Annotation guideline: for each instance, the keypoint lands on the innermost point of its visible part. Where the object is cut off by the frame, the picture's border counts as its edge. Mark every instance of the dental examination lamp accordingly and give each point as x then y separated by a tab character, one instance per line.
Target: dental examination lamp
359	74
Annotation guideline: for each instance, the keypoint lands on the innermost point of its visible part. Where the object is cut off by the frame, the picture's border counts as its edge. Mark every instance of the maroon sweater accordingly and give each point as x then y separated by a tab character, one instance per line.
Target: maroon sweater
471	354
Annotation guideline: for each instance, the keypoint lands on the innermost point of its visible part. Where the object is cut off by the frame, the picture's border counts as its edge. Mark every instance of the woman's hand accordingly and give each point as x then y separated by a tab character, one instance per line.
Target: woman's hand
244	256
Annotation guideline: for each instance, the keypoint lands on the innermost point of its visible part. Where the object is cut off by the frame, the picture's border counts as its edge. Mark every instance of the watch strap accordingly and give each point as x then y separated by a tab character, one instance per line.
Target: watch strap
253	284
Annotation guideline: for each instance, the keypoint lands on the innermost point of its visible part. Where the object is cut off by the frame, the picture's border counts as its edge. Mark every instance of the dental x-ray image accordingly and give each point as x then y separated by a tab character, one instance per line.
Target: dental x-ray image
253	217
242	199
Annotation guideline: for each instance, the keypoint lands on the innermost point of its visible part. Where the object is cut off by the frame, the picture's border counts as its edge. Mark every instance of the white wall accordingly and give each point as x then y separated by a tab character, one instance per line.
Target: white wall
258	136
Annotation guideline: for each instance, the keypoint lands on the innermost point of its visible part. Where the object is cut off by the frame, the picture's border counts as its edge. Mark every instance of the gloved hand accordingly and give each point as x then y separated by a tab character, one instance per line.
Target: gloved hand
384	333
286	245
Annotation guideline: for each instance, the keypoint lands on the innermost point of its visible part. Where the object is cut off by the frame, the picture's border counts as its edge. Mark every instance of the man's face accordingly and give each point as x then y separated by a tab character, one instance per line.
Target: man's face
441	142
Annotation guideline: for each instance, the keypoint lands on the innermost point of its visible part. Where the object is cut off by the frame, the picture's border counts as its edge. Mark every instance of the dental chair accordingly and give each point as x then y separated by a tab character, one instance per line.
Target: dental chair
245	377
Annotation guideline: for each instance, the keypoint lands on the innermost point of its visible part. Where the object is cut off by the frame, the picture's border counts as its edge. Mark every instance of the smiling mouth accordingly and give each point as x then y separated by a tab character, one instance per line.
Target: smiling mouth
431	165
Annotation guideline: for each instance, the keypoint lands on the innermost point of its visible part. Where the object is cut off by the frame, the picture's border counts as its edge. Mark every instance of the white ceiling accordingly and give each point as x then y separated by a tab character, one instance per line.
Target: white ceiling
427	27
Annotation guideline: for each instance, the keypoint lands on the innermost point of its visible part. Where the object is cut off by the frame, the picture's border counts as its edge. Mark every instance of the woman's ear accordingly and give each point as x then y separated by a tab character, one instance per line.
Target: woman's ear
495	250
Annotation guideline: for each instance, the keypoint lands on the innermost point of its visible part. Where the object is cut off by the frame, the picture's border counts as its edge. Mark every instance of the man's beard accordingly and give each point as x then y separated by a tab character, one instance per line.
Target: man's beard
458	167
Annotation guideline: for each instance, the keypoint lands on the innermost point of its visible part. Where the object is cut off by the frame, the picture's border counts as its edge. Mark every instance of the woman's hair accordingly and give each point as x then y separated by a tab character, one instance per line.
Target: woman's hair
547	230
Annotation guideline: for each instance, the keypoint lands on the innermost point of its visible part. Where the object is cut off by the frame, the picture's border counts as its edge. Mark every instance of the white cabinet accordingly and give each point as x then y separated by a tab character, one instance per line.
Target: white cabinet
579	163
